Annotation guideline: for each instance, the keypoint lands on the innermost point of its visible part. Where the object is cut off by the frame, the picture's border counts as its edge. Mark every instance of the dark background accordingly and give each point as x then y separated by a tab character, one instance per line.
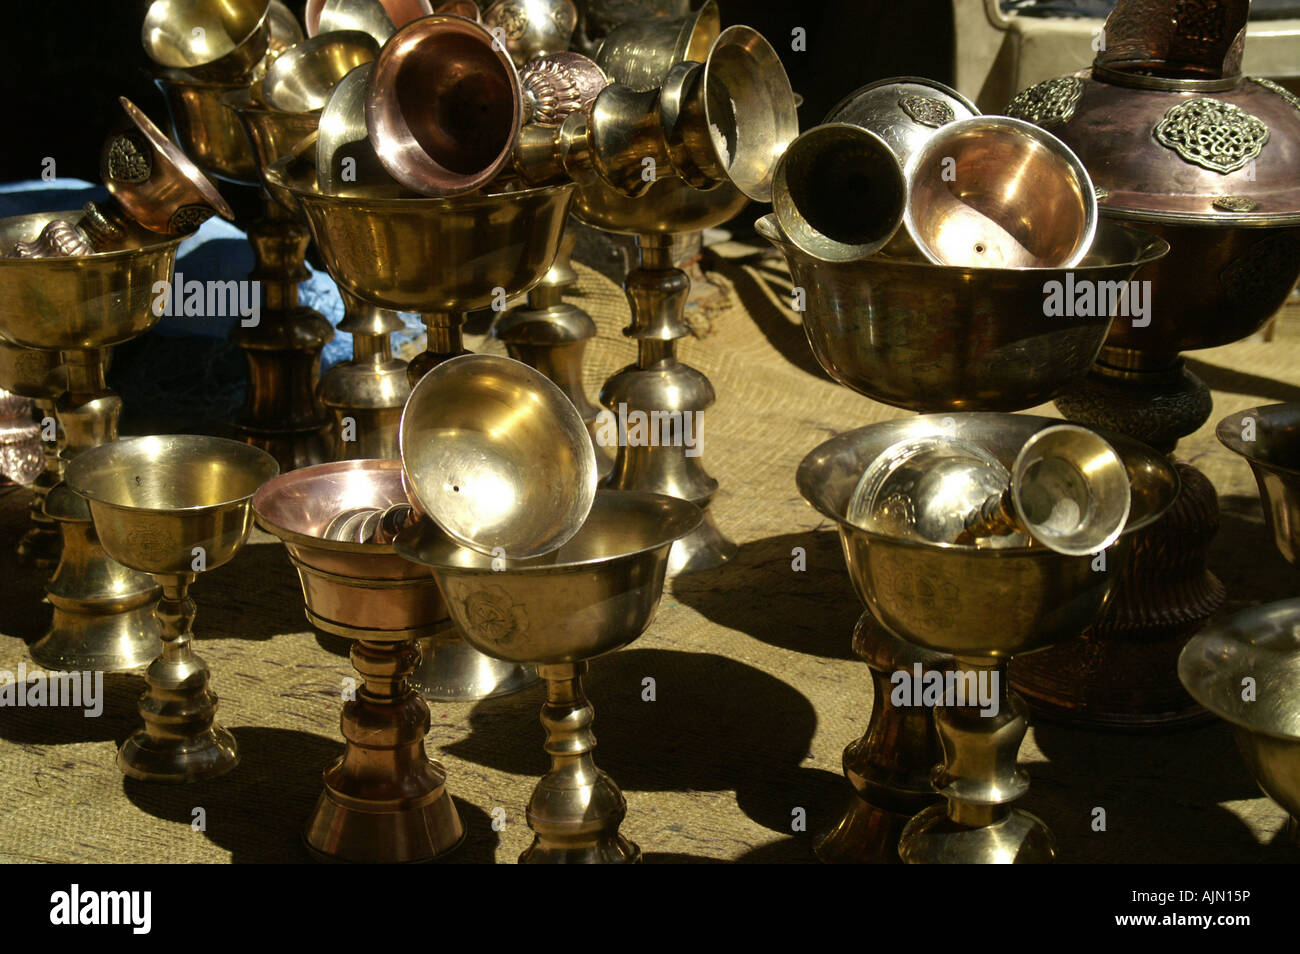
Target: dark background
65	63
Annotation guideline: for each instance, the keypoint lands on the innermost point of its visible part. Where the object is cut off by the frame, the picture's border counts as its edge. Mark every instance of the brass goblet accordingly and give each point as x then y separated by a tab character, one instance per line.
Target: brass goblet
439	257
983	606
1244	669
935	338
173	507
1269	439
80	306
36	374
385	800
281	413
595	594
220	40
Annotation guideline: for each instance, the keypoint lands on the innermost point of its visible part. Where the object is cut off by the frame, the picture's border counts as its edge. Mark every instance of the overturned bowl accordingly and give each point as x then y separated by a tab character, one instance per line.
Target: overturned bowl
357	590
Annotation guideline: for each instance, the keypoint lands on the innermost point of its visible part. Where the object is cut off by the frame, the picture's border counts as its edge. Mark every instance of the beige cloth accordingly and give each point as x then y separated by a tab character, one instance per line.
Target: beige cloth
757	692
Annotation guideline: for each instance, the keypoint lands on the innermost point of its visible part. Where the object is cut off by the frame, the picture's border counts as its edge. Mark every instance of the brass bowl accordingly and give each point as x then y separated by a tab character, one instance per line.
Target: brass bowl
216	40
300	79
208	129
954	598
155	500
933	337
1261	644
154	181
668	207
1273	452
997	192
357	590
498	456
902	110
594	595
426	255
81	303
274	135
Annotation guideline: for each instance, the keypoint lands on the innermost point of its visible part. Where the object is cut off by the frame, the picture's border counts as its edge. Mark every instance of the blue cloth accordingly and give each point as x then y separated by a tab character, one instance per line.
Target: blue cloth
218	251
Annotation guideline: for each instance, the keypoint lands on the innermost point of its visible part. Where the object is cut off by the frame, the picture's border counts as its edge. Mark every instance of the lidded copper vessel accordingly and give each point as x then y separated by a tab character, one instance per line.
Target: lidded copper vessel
1178	141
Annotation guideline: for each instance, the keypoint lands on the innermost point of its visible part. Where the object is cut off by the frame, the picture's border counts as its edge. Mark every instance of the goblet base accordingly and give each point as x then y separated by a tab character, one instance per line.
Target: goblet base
207	754
454	671
607	851
704	548
866	835
107	642
932	838
343	829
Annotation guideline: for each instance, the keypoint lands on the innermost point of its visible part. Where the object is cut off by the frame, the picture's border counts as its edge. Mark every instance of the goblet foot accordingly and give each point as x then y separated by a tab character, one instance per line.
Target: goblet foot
553	850
454	671
99	642
866	835
180	757
704	548
932	838
385	800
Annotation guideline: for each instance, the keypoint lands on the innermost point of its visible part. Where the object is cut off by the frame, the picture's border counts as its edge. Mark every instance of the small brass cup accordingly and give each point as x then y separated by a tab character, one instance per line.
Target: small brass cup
210	40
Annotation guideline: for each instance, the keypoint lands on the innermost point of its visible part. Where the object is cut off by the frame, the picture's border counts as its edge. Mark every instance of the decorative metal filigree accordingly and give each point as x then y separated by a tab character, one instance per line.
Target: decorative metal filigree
188	218
1282	91
1217	135
59	239
130	157
927	110
1048	103
1235	203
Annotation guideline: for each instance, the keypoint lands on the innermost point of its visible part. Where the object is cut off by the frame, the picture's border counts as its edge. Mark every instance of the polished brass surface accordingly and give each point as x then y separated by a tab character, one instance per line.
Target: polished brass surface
284	29
300	79
1269	439
498	456
219	40
208	129
37	375
346	163
595	594
154	181
443	106
551	334
985	342
103	612
640	51
173	507
598	18
379	18
1260	648
961	607
384	799
532	28
969	186
903	110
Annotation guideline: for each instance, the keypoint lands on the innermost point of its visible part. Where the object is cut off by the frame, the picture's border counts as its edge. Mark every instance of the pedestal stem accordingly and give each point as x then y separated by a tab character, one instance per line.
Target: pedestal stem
385	800
442	341
103	611
980	725
663	402
180	740
576	809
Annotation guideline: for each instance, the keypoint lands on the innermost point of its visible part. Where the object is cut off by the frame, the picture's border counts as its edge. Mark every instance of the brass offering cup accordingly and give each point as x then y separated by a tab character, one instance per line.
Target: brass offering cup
440	258
384	799
208	129
948	598
971	184
1269	439
595	594
640	52
79	307
1260	647
173	507
531	28
379	18
933	337
497	456
301	78
210	40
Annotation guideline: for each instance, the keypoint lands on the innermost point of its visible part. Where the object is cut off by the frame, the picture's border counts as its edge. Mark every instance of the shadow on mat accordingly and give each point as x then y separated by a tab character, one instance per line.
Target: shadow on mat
780	327
255	596
67	725
811	611
1243	382
716	725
